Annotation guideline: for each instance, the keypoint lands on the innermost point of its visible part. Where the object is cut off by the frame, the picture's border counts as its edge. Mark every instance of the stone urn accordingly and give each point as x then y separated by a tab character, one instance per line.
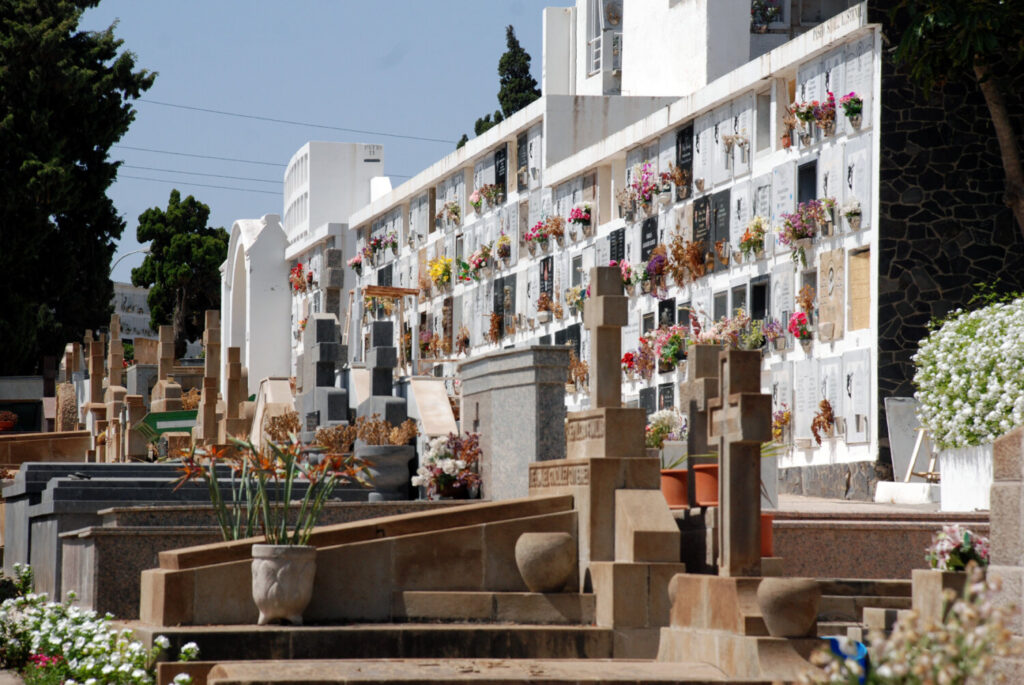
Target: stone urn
789	606
282	581
546	561
389	468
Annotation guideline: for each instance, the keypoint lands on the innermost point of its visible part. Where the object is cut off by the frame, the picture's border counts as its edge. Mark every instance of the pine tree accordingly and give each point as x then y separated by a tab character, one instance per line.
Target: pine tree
65	98
518	87
182	269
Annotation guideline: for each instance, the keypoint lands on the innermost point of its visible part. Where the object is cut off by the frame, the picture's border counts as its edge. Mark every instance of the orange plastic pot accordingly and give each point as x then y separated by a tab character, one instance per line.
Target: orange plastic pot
767	539
673	488
705	484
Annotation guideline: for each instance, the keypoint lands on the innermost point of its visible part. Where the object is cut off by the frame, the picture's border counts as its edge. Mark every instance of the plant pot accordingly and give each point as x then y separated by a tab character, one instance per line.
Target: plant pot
532	247
6	425
780	343
546	561
389	472
856	121
543	317
767	537
854	222
805	138
700	184
282	581
789	606
806	345
588	230
705	483
787	141
673	488
665	198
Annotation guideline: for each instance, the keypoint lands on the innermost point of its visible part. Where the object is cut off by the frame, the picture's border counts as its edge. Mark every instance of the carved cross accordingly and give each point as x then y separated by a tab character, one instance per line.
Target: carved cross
739	419
606	311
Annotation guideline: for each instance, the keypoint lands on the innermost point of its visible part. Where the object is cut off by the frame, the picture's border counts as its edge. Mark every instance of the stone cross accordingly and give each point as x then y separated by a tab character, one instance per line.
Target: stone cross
115	356
701	385
606	312
166	360
207	430
320	402
739	419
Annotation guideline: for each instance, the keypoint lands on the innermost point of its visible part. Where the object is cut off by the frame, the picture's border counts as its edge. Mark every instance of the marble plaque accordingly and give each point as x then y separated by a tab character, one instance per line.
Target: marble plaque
721	126
810	84
830	383
858	72
830	176
784	196
831	294
857	179
702	153
740	213
742	124
783	302
782	385
857	395
806	396
761	197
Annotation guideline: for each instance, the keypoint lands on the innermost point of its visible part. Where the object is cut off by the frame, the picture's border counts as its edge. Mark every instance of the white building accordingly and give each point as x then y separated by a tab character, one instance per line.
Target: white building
691	84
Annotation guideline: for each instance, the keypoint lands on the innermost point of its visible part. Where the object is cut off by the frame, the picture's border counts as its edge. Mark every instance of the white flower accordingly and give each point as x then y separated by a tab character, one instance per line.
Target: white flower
182	679
161	641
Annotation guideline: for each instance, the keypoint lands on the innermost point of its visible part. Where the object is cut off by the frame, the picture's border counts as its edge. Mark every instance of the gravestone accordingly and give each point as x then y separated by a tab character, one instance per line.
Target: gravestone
115	393
206	431
739	419
320	402
234	424
166	393
700	386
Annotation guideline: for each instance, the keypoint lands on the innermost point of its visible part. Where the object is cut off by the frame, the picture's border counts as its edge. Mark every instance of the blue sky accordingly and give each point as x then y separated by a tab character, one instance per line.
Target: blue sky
413	67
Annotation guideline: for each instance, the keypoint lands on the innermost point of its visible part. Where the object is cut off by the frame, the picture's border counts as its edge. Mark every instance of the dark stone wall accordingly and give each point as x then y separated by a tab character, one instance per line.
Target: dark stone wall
943	225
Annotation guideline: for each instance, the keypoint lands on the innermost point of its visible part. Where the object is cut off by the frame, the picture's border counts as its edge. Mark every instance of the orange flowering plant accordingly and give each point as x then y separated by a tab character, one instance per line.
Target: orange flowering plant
252	488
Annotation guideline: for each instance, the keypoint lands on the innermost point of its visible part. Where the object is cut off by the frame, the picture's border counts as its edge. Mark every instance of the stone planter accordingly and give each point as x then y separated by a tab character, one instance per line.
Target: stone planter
789	606
673	488
390	471
282	581
966	478
546	561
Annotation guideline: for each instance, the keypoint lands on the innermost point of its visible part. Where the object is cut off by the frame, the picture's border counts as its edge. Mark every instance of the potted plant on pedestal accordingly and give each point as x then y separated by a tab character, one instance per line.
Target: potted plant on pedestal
449	469
259	496
666	432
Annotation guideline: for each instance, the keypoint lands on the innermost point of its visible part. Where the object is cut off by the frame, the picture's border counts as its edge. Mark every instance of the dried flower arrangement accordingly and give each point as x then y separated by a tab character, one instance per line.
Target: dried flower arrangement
824	421
495	330
579	371
805	298
374	430
462	341
544	303
780	420
336	439
722	251
281	428
190	399
687	259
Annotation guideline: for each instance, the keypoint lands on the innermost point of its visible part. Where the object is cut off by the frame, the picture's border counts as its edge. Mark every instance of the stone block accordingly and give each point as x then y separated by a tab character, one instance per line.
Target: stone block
358	565
928	588
334	258
644	527
659	602
706	603
381	382
1011	594
533	608
608	311
322	374
450	559
333	403
382	334
609	432
636	643
1008	456
166	597
605	281
223	594
392	409
324	330
326	352
443	606
620	589
385	357
334	279
1007	522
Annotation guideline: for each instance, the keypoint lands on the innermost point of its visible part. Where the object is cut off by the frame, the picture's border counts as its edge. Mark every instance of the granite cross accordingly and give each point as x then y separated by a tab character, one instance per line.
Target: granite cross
739	419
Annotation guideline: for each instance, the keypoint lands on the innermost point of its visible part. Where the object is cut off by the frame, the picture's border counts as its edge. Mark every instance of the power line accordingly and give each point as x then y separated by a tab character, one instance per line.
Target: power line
187	154
196	173
222	159
295	123
200	185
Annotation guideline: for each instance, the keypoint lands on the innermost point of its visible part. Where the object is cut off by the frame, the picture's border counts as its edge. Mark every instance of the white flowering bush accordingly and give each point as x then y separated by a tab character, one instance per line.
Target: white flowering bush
970	375
58	642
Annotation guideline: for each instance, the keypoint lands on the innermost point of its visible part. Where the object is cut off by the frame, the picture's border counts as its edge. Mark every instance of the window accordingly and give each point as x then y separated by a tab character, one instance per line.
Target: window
683	314
739	298
593	37
577	271
759	291
764	121
807	182
720	305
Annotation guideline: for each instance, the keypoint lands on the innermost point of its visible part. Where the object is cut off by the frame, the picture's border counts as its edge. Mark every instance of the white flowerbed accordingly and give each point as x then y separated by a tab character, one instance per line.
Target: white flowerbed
970	376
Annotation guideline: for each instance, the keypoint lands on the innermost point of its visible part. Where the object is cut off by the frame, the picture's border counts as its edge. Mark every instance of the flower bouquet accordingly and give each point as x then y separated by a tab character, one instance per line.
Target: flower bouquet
853	108
667	424
954	547
762	13
536	236
441	271
297	278
670	347
554	228
580	215
781	419
825	114
389	242
800	328
645	185
804	113
504	248
492	194
752	241
476	199
851	210
462	340
356	264
799	226
480	262
773	332
575	297
449	467
628	363
628	277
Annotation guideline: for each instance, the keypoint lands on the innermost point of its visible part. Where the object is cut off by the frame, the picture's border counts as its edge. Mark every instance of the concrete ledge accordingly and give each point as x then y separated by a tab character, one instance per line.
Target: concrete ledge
530	608
480	671
19	448
887	492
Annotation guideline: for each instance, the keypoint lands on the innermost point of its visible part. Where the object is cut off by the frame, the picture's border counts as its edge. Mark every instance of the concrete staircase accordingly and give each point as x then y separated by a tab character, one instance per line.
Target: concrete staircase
846	603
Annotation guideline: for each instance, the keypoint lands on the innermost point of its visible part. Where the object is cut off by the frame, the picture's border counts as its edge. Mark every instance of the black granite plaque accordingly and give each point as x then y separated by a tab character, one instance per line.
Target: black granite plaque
648	238
702	221
501	168
547	276
617	244
684	158
666	396
649	400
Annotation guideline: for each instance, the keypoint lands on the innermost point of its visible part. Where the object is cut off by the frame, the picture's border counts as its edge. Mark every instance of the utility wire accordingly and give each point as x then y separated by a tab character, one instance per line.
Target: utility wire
197	173
222	159
201	185
294	123
187	154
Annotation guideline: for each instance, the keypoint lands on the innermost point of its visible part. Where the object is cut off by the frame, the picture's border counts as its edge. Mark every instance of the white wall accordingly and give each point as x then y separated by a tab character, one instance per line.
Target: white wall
582	121
559	55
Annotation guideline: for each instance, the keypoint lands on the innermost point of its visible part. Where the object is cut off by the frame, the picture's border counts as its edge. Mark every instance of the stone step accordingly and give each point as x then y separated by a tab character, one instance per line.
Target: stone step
851	607
481	671
385	641
529	608
865	587
835	628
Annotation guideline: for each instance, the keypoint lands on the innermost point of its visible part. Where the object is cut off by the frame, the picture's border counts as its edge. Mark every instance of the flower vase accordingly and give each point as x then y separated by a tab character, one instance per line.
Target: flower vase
760	28
485	271
759	254
665	198
543	317
787	141
805	138
560	239
588	230
630	289
854	222
532	247
545	246
572	232
855	121
645	286
449	491
806	344
828	129
700	184
780	343
282	581
505	261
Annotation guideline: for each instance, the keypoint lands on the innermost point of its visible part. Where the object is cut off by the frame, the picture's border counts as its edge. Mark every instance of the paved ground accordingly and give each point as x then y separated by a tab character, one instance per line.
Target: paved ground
10	678
820	505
